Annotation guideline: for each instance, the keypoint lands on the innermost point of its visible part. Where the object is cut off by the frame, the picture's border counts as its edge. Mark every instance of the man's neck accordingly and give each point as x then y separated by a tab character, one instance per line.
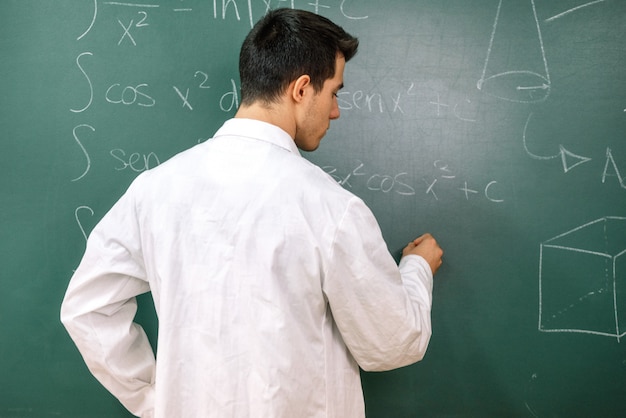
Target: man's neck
277	115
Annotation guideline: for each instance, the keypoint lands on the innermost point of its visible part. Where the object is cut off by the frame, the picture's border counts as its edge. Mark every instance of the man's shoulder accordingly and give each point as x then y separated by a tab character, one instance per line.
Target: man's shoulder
182	161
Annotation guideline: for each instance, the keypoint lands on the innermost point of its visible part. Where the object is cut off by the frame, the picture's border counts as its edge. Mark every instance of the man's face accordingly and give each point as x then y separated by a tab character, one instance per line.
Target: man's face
320	109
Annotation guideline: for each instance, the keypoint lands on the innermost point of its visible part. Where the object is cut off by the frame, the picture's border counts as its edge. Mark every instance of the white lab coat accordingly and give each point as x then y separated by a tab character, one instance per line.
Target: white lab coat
272	285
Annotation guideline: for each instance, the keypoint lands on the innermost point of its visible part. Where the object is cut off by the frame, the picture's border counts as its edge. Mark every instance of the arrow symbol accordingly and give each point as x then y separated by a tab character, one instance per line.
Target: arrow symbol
544	86
569	160
569	157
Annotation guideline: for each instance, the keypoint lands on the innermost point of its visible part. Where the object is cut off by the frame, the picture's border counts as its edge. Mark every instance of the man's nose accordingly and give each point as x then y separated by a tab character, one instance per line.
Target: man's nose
335	113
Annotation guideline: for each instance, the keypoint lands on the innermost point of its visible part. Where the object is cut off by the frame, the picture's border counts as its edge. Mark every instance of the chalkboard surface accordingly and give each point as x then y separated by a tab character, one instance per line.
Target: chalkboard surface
497	125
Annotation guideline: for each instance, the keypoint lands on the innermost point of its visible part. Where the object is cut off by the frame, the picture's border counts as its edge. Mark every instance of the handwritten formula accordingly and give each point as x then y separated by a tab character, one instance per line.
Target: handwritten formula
129	28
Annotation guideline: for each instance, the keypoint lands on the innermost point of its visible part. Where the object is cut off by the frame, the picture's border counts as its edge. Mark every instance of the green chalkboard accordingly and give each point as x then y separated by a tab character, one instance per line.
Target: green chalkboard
499	126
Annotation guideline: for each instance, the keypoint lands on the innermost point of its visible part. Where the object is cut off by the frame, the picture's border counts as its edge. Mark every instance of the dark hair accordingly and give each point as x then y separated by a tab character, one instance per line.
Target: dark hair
285	44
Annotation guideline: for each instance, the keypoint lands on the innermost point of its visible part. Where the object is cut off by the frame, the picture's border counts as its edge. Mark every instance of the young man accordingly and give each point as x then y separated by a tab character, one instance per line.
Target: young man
271	282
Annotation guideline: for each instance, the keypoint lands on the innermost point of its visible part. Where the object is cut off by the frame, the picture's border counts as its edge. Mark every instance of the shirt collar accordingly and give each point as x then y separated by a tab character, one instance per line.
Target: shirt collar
256	129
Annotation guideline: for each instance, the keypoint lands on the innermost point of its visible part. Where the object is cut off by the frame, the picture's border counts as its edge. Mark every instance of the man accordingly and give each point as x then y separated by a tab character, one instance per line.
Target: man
271	282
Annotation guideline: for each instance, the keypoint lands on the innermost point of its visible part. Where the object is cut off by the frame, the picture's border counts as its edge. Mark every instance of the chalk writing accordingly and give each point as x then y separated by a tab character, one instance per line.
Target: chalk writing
360	100
386	183
523	89
430	187
230	100
127	28
93	20
438	104
404	103
610	164
88	82
488	193
129	95
445	169
565	299
460	110
375	182
550	19
569	160
349	14
232	10
204	79
184	97
516	85
136	162
232	7
80	225
119	3
82	148
182	9
530	395
402	184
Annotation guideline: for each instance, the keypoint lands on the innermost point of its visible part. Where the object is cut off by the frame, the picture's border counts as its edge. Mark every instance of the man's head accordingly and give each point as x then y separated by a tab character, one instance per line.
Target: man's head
291	67
286	44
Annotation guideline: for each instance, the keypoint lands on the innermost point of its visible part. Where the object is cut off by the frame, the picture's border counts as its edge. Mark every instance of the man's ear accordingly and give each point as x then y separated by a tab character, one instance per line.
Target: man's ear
299	87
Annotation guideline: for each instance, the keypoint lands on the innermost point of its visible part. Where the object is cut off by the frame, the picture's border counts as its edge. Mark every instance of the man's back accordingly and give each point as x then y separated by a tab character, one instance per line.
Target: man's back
237	257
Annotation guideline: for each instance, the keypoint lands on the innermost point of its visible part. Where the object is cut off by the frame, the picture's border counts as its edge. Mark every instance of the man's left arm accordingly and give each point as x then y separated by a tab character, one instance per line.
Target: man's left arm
99	309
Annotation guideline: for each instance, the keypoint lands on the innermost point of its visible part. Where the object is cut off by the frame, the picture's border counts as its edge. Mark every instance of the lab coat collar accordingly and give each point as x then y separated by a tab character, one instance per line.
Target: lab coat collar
259	130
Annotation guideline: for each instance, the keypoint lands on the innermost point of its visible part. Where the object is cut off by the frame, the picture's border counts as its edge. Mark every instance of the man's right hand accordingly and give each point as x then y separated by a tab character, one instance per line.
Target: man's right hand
426	246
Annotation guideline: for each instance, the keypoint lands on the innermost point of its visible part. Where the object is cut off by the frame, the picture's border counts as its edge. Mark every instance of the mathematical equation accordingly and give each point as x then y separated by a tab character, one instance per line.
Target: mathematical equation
142	95
139	17
401	183
135	24
408	102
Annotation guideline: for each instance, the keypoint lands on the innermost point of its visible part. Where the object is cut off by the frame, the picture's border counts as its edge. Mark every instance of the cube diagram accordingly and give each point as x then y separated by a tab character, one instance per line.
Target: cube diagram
582	279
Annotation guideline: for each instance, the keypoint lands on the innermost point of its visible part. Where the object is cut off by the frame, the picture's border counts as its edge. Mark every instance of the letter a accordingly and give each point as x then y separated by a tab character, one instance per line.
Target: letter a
609	158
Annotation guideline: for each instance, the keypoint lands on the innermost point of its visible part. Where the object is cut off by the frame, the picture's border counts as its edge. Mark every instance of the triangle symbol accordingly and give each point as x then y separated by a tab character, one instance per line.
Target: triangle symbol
571	160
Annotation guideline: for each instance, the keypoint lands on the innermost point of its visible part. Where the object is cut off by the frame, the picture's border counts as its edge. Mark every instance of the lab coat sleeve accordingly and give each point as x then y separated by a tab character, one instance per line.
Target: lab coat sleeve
381	309
100	305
